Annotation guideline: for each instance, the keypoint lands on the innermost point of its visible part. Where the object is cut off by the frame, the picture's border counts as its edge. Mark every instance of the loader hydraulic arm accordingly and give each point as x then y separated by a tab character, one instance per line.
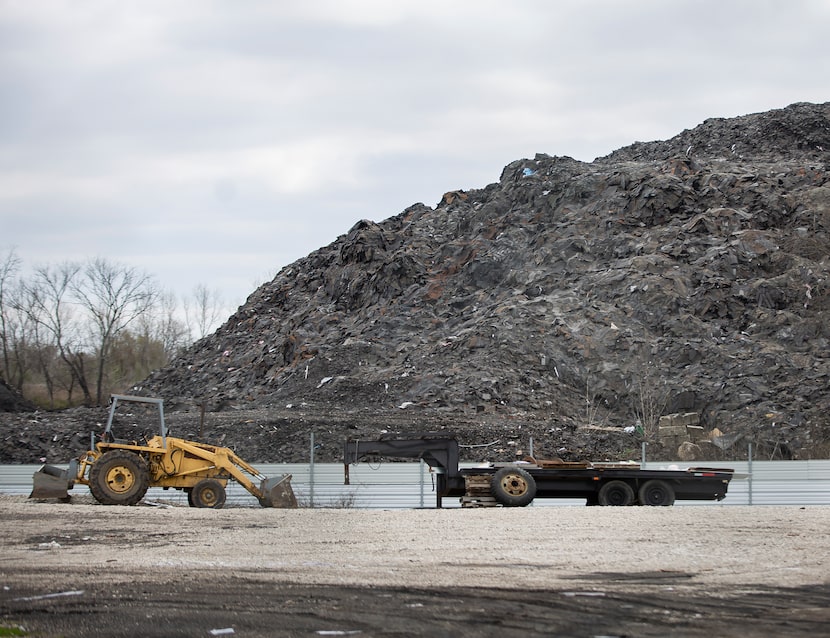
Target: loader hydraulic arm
270	492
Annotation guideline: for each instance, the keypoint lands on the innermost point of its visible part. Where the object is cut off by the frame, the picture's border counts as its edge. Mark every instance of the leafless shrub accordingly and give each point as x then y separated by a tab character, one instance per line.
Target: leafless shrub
346	500
593	405
649	397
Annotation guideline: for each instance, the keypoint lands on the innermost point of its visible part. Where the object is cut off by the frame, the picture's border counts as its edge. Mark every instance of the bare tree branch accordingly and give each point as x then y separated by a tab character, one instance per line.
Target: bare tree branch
114	295
203	311
9	266
49	304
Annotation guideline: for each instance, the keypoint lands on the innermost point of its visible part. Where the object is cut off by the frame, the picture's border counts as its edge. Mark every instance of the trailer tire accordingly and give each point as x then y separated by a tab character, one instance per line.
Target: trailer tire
207	493
656	493
119	477
513	487
616	493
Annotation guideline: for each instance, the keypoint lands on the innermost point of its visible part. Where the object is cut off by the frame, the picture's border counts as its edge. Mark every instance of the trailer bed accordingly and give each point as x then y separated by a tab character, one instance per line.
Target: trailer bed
516	484
690	484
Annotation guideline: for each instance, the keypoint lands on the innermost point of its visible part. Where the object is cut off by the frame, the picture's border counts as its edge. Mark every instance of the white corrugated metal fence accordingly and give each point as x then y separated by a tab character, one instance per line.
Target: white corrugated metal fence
410	485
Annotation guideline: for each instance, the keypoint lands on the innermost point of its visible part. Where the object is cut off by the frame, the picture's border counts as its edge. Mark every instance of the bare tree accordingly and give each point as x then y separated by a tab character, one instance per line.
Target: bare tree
133	355
50	306
9	265
114	295
203	311
38	344
27	348
164	325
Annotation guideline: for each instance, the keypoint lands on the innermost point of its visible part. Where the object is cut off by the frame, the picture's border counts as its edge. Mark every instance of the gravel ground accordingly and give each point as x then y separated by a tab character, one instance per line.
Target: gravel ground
85	569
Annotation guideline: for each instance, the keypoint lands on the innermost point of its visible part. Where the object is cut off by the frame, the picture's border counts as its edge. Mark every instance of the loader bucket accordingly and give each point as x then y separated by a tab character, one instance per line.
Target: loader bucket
277	492
51	482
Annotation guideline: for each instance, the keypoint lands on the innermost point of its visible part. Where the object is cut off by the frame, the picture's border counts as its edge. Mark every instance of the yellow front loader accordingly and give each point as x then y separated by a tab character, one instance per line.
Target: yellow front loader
119	472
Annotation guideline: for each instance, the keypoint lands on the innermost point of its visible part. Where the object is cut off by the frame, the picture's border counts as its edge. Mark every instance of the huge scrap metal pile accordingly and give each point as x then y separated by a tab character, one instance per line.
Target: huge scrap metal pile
572	302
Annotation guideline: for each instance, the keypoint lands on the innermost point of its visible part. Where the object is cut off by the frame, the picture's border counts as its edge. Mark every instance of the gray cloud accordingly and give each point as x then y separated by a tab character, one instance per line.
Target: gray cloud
215	142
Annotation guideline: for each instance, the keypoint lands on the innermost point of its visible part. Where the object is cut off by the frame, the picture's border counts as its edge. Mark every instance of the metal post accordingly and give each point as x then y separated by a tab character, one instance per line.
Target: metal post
311	474
531	448
643	455
422	464
163	425
202	408
749	469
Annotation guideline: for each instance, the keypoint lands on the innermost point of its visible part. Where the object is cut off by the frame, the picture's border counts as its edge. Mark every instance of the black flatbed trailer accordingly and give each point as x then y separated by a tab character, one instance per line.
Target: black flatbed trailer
517	484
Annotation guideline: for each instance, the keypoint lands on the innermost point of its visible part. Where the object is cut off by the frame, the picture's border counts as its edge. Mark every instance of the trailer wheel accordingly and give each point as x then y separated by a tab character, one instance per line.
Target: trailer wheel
207	493
513	487
617	493
119	477
658	493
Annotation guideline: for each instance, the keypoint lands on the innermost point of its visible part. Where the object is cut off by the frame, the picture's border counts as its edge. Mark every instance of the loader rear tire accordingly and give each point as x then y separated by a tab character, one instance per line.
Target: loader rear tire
207	493
119	478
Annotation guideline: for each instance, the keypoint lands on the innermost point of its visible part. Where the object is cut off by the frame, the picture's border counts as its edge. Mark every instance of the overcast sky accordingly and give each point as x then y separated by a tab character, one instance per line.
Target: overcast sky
215	141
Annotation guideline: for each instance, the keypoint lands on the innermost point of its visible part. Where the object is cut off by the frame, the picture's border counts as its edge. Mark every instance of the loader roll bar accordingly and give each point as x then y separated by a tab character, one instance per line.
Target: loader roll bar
129	397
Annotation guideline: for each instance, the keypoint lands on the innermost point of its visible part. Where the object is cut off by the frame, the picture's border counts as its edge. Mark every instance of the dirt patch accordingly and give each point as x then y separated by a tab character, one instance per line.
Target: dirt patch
252	607
689	571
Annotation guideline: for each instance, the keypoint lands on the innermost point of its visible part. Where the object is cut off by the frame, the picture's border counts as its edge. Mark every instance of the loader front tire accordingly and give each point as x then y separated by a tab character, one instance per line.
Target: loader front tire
119	478
207	493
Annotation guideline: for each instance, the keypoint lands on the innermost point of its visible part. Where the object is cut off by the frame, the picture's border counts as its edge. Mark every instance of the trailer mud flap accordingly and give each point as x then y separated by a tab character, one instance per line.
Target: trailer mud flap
277	492
53	482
